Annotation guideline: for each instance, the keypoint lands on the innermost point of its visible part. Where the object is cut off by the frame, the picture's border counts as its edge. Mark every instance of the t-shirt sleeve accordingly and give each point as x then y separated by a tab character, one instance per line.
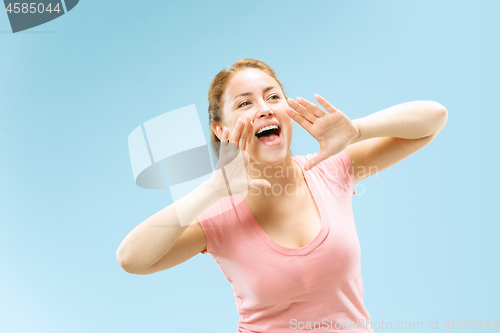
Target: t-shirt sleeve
339	169
216	224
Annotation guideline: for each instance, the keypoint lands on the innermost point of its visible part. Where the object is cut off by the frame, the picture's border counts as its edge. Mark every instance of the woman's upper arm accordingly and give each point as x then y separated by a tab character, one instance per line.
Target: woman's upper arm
373	155
191	242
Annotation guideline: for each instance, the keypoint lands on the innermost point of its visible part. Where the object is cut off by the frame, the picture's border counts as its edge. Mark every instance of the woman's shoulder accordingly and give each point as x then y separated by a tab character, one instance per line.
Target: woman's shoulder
337	168
301	159
221	209
340	159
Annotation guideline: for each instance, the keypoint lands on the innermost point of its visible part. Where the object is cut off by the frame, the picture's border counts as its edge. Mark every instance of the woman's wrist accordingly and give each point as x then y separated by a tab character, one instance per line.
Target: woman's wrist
214	189
359	126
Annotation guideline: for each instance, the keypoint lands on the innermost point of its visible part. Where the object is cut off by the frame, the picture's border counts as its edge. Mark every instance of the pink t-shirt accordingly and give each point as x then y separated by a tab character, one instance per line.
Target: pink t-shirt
279	289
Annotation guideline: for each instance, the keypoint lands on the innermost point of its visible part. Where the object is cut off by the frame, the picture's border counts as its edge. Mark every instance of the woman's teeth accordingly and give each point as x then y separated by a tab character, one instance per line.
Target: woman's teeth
267	128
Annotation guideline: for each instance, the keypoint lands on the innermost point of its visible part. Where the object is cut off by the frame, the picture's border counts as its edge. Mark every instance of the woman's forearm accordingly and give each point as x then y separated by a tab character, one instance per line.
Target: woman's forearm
147	243
411	120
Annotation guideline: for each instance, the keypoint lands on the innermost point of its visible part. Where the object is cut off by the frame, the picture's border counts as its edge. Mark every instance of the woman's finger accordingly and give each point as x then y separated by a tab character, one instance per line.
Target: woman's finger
311	107
244	131
302	110
298	118
249	135
330	108
235	135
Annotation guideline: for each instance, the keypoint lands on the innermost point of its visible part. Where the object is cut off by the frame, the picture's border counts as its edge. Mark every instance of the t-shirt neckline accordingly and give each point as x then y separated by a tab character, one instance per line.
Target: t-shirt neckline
325	225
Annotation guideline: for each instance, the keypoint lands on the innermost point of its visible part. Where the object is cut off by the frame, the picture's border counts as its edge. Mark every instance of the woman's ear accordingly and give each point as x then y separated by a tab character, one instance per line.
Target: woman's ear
217	130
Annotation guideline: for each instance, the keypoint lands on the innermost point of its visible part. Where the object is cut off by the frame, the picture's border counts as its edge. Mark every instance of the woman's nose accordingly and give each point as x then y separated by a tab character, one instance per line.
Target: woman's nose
264	113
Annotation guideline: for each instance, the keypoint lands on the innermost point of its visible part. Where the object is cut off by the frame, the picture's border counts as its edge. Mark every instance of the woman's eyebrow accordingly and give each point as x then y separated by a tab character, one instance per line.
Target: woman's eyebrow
249	93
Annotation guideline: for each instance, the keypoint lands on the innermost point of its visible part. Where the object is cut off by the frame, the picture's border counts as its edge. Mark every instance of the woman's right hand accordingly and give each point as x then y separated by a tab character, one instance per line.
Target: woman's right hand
230	176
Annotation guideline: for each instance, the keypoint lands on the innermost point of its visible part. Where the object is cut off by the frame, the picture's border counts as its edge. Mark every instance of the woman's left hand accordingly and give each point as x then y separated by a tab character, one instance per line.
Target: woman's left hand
333	129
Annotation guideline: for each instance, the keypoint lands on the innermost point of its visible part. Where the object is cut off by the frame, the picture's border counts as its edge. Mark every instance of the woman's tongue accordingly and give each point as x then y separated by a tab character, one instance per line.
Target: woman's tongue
268	138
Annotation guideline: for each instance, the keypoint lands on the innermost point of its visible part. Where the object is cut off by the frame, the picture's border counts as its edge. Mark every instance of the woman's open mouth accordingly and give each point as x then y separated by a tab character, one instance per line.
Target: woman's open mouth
269	135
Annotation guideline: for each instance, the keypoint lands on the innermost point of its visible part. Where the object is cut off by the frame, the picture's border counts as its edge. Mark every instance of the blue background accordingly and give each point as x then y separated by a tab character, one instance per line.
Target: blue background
73	89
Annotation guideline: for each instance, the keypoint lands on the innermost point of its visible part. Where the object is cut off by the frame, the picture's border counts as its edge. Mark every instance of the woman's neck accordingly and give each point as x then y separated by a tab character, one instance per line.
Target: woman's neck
285	178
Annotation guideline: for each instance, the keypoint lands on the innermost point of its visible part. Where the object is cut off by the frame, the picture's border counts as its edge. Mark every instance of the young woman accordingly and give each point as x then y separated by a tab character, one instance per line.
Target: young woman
281	228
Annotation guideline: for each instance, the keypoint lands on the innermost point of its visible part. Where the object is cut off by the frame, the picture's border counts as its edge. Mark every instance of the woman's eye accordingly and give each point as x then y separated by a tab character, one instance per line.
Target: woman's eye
242	104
